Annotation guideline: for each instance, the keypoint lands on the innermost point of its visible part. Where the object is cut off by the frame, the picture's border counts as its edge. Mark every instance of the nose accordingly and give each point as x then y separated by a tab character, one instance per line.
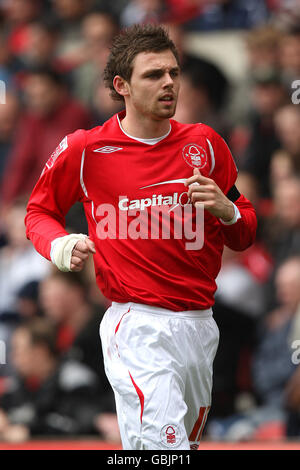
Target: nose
168	82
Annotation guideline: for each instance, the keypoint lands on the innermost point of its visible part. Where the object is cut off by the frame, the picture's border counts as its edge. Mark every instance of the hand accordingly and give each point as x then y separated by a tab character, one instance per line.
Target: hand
205	191
80	254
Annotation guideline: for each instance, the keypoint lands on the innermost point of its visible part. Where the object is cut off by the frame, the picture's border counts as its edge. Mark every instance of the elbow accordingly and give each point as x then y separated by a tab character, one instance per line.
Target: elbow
243	238
243	245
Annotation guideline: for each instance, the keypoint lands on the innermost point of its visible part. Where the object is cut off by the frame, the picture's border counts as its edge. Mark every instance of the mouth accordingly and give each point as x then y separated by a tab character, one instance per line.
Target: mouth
167	99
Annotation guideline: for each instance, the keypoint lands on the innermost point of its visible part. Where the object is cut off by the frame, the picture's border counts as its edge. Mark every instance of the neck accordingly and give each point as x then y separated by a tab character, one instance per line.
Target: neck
143	127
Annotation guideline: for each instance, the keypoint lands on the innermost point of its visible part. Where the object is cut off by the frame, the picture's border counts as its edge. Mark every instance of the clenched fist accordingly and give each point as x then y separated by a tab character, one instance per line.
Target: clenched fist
205	191
80	253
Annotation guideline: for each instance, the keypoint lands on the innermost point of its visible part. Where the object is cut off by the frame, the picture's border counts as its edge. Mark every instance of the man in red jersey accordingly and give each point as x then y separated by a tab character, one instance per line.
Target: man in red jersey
149	186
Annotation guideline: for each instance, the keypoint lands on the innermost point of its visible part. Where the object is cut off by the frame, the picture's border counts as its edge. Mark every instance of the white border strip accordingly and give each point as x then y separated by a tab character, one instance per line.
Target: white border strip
212	154
83	185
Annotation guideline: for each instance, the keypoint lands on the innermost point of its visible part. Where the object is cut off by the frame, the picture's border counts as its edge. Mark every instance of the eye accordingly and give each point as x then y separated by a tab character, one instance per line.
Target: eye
154	75
174	73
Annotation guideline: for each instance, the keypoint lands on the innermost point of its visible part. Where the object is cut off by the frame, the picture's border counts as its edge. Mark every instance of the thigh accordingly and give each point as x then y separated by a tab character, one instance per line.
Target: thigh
146	369
199	380
126	398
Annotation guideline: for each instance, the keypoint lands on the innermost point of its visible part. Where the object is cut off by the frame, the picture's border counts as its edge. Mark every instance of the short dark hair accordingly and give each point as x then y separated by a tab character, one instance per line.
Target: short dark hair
74	279
48	72
127	45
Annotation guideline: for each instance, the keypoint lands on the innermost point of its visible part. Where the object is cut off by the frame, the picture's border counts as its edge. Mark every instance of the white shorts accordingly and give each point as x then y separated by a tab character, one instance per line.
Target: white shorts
159	364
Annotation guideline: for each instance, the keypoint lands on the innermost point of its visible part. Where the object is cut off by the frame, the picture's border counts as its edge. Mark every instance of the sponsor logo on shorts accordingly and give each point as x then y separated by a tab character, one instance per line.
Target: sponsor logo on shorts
170	435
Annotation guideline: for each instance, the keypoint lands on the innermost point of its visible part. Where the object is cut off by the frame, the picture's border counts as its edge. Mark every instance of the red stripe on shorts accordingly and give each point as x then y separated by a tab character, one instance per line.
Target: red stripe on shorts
140	395
197	425
203	423
117	327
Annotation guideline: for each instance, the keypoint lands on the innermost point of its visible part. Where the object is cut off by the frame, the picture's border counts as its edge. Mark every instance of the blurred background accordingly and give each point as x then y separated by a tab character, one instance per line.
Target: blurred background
240	75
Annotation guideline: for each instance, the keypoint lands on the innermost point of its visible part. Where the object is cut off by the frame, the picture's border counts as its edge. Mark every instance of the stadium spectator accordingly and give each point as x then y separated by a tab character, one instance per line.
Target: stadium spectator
18	14
272	365
285	14
10	65
240	281
281	231
285	225
142	11
262	56
41	45
19	264
69	15
27	305
71	10
290	55
171	11
293	404
51	114
268	95
181	11
64	299
230	15
262	45
292	396
98	29
9	114
46	396
286	162
238	308
202	94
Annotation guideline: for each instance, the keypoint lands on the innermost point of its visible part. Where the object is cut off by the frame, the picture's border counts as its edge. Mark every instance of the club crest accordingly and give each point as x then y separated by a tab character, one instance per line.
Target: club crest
195	156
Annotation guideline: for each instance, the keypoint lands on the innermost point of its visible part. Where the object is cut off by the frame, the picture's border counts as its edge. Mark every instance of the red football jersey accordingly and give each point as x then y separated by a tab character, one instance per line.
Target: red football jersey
134	198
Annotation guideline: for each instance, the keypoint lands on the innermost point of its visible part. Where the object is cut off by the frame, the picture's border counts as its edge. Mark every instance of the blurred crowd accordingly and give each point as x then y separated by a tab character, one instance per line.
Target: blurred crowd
52	55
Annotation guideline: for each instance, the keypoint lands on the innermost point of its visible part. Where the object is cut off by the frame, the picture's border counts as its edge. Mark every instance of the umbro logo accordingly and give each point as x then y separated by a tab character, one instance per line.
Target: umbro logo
108	149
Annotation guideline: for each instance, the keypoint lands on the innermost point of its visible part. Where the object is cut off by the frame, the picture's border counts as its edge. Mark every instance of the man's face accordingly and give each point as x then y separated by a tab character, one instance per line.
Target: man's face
23	353
288	283
41	94
154	85
54	299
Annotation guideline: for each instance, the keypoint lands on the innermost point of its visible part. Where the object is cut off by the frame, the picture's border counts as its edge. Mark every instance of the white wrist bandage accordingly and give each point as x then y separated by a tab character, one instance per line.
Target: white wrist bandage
235	218
61	250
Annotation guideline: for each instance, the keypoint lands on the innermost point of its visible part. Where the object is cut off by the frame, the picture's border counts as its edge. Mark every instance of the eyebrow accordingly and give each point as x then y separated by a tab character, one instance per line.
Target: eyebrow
160	70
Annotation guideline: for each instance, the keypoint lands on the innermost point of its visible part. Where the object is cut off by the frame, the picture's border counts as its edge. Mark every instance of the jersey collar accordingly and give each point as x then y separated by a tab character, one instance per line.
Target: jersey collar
151	141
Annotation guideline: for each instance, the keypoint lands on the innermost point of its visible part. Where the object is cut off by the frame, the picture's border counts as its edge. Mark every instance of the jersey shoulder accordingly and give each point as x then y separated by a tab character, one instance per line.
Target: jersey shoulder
199	129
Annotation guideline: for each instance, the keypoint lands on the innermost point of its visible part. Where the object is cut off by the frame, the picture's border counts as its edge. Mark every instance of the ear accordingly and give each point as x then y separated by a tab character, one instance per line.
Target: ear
121	86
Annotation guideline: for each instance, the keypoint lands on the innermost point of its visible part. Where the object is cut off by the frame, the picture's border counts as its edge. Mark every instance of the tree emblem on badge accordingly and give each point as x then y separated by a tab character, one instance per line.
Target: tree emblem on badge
195	156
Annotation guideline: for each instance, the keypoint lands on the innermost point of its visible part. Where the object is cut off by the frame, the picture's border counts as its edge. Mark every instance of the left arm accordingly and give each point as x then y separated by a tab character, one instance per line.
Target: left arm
241	233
